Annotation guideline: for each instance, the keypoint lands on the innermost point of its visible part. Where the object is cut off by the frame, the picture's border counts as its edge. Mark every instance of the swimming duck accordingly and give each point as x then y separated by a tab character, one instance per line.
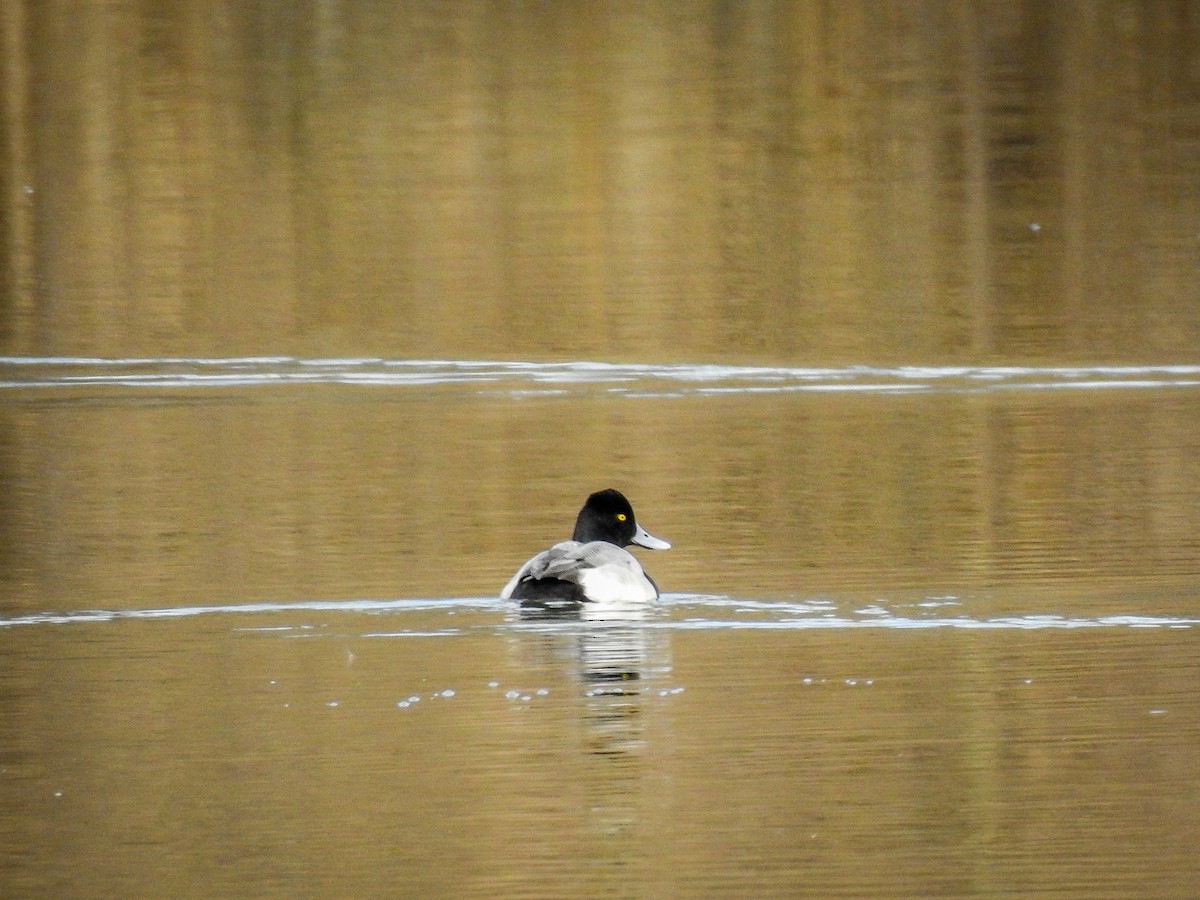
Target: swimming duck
594	566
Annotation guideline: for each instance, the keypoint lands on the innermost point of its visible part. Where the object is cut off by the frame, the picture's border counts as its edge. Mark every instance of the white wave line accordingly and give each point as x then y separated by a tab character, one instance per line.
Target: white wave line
144	372
817	615
179	612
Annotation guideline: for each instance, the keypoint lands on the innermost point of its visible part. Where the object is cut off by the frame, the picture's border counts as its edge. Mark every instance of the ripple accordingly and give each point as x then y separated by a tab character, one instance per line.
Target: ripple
532	378
176	612
683	612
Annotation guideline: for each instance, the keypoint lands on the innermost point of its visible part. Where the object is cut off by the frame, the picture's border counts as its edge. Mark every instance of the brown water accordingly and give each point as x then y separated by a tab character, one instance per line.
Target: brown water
797	182
319	320
924	632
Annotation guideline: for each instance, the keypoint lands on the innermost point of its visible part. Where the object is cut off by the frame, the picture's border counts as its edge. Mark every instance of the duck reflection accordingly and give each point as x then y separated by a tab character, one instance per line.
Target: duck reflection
617	664
611	652
616	659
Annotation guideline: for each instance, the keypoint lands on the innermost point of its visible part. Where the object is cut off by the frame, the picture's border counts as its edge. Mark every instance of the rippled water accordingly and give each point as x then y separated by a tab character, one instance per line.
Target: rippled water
444	746
925	631
689	612
315	325
636	380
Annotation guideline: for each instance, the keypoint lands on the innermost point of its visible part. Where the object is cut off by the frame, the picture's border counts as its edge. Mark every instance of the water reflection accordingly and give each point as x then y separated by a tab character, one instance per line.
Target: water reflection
722	740
351	301
617	664
763	182
614	657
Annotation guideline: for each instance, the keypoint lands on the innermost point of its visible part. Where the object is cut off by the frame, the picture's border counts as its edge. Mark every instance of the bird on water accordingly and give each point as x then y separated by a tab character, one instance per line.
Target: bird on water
594	566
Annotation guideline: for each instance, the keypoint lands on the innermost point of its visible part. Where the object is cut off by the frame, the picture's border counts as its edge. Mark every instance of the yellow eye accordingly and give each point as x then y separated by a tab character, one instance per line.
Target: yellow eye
621	517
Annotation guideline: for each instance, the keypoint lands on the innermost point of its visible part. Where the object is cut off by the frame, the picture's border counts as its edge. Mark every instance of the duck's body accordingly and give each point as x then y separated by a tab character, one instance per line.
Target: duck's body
594	566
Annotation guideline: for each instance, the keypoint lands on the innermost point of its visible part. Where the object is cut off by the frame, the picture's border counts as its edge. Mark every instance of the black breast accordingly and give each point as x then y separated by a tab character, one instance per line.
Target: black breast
543	591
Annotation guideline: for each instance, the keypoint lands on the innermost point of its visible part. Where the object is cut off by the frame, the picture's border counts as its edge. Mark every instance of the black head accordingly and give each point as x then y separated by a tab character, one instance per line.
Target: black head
607	516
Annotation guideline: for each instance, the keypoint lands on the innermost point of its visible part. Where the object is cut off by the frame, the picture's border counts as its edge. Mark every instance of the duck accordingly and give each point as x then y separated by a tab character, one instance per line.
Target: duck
593	567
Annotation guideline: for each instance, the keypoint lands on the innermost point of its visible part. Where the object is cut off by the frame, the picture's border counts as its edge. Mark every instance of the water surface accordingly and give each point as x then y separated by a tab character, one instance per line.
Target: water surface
925	631
316	320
